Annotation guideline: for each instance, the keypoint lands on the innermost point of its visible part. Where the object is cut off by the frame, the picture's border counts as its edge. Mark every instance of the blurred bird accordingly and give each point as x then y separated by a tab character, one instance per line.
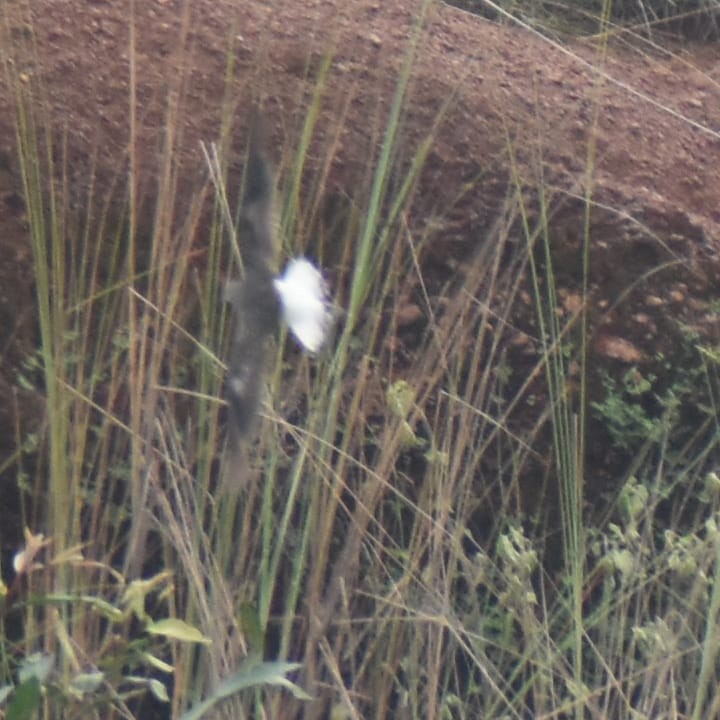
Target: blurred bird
300	296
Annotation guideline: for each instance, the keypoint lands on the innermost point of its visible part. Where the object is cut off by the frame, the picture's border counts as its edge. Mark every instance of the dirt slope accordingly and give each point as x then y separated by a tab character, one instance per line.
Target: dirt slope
657	129
646	155
657	122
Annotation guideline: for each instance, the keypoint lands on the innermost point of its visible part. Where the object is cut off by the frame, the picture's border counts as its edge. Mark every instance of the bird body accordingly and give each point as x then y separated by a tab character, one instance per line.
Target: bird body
260	299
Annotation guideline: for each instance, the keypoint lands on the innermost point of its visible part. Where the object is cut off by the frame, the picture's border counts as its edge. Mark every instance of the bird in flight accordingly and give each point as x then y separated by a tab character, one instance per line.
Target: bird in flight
261	299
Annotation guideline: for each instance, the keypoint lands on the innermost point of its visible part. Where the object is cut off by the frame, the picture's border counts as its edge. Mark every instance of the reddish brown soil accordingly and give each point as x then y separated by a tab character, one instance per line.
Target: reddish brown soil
657	131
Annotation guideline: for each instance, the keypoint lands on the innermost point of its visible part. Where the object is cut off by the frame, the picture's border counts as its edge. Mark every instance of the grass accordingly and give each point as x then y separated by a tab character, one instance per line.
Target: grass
392	547
688	19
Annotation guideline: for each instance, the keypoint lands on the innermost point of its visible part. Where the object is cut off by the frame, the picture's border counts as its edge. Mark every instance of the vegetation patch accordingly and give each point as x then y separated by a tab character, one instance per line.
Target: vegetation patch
442	514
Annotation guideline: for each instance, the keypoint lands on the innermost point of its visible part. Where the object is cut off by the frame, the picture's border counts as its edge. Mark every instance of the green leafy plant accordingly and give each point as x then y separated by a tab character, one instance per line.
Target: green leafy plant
128	644
626	417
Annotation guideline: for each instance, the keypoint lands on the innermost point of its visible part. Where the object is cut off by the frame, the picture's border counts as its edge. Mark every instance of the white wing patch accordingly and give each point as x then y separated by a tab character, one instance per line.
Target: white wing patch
305	302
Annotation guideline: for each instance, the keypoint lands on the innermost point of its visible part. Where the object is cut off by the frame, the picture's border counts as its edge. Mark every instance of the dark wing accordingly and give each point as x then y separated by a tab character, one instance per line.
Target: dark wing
254	300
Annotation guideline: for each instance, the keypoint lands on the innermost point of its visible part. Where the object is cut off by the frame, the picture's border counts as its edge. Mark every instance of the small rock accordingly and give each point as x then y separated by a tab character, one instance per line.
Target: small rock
573	303
520	339
409	314
617	348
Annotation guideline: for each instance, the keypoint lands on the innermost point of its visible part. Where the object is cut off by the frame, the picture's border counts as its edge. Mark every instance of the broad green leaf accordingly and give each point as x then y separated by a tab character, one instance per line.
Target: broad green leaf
106	609
265	673
87	682
157	663
25	701
176	629
155	686
158	690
